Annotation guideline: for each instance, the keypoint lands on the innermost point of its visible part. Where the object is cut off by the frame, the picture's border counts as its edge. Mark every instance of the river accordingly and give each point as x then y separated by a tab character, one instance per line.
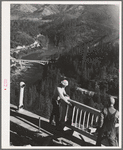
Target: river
33	56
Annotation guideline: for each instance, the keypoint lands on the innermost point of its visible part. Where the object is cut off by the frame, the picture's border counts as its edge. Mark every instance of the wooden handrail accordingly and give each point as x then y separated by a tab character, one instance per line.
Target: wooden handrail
84	107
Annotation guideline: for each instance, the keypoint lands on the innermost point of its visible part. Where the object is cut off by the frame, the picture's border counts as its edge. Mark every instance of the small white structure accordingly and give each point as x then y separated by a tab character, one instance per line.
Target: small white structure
19	47
36	44
39	35
24	46
32	46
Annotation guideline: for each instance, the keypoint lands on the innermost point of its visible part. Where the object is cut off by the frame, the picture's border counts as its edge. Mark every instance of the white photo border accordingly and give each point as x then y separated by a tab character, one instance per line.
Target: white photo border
5	67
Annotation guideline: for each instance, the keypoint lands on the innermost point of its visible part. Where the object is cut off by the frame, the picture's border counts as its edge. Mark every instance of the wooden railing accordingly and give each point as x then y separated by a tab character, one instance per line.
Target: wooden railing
82	118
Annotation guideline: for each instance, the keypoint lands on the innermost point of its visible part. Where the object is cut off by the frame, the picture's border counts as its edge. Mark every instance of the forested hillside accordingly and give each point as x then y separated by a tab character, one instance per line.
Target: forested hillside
88	36
23	32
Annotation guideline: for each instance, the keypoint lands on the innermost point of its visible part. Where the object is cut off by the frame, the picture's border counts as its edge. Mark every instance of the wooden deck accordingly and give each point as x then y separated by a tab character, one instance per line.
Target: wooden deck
30	122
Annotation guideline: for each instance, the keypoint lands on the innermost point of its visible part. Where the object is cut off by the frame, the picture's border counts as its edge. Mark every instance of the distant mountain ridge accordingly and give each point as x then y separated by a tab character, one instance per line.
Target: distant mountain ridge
89	11
34	10
104	14
80	22
23	8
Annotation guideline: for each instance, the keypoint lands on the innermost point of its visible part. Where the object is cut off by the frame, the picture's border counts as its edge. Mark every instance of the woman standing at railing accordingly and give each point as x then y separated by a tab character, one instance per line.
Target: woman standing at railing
59	100
108	124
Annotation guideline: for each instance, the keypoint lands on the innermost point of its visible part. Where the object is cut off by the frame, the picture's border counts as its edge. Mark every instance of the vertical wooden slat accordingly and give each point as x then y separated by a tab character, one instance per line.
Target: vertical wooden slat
88	119
73	114
96	119
80	118
66	112
76	117
92	119
84	119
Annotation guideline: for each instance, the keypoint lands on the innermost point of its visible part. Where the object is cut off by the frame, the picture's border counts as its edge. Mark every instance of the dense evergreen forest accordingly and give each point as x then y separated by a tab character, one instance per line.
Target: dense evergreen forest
100	67
88	61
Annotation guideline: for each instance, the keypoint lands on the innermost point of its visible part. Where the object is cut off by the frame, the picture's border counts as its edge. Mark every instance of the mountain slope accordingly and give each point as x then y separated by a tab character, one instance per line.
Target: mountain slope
73	25
69	24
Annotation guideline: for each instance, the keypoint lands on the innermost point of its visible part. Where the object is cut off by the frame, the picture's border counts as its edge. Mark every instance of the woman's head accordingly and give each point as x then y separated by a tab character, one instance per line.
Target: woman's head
64	83
111	101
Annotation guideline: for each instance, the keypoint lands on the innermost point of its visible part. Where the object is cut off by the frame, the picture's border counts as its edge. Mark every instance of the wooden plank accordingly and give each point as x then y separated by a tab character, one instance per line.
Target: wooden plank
28	113
87	135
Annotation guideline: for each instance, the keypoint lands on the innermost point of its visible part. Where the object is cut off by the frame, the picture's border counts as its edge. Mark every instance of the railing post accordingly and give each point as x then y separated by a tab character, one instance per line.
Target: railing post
92	119
39	128
88	120
97	119
73	115
76	124
80	118
84	120
22	85
66	116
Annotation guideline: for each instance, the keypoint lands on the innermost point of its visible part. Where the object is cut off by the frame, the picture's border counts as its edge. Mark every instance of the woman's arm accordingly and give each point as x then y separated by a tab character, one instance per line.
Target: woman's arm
117	116
101	120
60	92
65	94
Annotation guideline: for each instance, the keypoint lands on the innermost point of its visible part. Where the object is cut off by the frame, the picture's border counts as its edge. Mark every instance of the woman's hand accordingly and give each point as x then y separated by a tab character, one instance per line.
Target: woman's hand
69	102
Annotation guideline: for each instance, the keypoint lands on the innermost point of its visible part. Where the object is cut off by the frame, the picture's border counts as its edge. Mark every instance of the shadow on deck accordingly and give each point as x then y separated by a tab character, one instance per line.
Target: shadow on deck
24	131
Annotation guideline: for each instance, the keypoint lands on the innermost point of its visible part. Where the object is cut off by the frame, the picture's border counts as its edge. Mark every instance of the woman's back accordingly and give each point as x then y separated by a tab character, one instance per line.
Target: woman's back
110	120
